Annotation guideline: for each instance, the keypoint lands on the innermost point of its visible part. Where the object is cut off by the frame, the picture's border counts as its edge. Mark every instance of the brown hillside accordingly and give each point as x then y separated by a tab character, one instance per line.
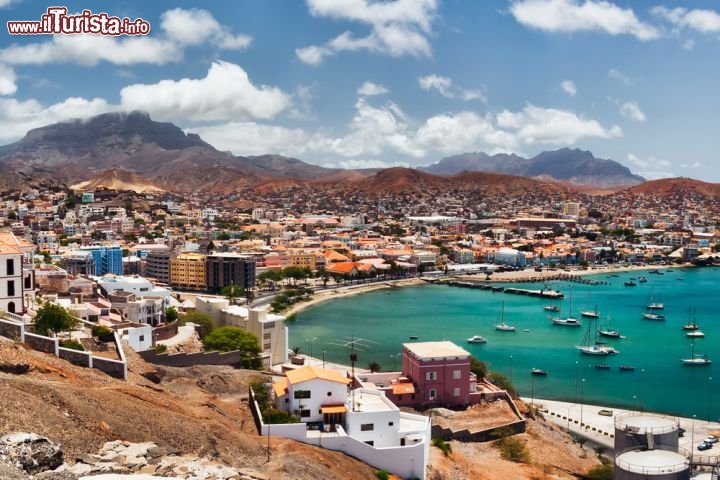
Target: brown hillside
672	186
118	179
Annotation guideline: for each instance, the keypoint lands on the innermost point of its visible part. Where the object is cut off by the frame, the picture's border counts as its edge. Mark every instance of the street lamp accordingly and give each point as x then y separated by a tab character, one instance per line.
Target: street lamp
323	358
709	398
577	366
692	438
634	397
311	340
395	357
642	391
532	393
511	365
582	391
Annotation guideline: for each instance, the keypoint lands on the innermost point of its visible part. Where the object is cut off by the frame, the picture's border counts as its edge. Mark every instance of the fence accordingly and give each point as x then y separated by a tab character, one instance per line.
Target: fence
13	329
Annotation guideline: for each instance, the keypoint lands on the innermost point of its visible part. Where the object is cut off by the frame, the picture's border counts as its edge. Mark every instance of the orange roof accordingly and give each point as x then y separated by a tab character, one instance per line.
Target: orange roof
403	388
333	409
341	267
304	374
280	387
334	256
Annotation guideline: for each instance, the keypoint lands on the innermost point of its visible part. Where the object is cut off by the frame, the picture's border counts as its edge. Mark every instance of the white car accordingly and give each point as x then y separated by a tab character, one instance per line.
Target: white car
711	439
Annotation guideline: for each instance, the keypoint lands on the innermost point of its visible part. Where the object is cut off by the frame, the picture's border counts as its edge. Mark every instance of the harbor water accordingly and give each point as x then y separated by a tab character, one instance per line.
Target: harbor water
381	321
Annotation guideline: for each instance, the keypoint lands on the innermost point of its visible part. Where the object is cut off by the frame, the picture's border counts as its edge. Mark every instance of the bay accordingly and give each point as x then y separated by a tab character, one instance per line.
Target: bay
385	319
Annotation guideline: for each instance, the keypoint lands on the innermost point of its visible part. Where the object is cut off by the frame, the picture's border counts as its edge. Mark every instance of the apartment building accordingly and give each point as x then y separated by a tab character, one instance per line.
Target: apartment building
188	271
226	269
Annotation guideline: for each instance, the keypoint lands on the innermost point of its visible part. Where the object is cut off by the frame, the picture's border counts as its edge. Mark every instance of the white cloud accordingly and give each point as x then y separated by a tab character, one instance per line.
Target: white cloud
181	28
7	80
441	84
452	133
702	21
397	27
618	75
225	93
536	125
651	168
251	138
577	16
568	87
17	117
631	110
301	108
194	27
369	89
445	87
5	3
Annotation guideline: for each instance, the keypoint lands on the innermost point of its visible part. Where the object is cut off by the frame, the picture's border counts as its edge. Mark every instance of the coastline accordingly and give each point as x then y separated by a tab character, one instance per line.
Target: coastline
497	277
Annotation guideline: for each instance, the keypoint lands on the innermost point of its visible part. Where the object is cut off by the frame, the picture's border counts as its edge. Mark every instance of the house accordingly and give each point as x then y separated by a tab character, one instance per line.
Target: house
363	423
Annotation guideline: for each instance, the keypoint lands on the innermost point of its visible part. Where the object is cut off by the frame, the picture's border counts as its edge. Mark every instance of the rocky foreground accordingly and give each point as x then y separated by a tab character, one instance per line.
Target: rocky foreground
195	424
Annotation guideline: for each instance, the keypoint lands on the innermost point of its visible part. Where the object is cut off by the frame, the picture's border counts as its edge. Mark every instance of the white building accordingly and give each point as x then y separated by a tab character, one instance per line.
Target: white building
362	423
11	278
141	287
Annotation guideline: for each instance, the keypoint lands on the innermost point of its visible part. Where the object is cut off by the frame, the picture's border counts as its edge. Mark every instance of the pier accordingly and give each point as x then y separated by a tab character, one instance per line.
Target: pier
552	294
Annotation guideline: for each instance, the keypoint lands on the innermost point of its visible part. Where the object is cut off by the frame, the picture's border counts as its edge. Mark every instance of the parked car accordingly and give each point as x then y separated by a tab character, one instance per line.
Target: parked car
704	446
605	413
711	439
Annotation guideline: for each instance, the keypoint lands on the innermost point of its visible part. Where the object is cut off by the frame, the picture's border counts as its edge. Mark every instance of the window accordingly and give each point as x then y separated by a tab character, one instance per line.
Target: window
10	266
304	413
11	288
366	427
329	394
431	376
390	424
266	336
432	394
301	394
456	391
142	338
457	374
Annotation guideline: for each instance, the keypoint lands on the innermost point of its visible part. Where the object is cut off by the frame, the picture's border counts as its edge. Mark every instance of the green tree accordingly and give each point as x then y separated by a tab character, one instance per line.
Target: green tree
227	339
171	314
601	472
500	380
271	277
374	367
203	322
232	292
52	318
478	367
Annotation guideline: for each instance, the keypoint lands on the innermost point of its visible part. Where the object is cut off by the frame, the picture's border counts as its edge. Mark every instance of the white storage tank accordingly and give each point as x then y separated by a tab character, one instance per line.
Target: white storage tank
635	429
656	464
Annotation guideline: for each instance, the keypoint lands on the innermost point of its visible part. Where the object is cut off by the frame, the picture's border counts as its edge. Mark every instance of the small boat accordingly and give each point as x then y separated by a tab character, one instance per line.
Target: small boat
602	366
551	308
538	371
526	330
590	313
695	334
656	271
477	339
413	337
631	283
691	324
642	279
568	322
652	304
653	316
610	333
626	368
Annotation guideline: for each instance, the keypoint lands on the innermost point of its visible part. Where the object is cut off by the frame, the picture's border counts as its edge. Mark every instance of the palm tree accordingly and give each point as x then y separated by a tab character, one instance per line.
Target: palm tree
374	367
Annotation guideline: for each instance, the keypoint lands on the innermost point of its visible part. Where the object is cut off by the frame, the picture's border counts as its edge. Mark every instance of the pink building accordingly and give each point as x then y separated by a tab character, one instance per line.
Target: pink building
434	374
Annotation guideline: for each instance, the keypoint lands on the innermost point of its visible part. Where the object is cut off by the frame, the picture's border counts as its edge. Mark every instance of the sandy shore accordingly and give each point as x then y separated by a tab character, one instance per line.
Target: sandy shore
528	274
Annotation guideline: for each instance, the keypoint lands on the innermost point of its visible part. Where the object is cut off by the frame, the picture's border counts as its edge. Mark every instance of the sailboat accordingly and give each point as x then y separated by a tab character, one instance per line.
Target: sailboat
502	326
652	304
568	321
590	313
691	324
696	359
591	345
610	332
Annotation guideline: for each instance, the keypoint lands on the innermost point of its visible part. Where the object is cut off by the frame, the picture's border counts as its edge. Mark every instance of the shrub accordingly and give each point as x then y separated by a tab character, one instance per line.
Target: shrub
160	348
382	474
203	322
103	333
601	472
513	449
445	447
72	344
52	318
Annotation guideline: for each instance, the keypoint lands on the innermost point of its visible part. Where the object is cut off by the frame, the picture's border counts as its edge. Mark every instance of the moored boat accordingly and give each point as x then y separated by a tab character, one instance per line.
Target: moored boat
610	333
538	371
696	359
695	334
597	348
477	339
502	326
653	316
551	308
602	366
631	283
626	368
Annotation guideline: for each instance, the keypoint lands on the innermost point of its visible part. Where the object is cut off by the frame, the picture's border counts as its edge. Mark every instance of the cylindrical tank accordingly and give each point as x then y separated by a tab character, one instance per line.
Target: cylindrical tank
634	429
656	464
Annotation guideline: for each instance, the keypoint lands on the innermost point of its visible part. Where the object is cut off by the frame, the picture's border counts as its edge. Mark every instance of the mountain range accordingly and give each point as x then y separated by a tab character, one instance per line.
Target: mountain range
108	148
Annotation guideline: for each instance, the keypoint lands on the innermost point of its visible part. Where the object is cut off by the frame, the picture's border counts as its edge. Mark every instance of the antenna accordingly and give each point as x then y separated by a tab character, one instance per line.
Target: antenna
360	344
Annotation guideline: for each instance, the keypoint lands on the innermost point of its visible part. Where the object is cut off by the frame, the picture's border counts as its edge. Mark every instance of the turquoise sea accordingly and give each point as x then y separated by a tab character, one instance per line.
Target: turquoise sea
385	319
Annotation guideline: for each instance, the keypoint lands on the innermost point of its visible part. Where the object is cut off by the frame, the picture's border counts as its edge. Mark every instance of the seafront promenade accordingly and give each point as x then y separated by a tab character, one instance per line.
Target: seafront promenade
599	429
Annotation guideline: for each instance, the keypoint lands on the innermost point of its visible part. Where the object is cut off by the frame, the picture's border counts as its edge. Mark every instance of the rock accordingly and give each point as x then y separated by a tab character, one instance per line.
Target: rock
8	471
54	475
31	452
14	368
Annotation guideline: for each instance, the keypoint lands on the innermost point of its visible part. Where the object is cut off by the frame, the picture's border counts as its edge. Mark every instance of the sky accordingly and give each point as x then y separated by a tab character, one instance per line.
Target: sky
363	83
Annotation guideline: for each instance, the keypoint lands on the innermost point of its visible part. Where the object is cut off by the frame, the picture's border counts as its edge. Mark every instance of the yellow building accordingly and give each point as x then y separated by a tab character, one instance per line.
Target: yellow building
187	270
302	259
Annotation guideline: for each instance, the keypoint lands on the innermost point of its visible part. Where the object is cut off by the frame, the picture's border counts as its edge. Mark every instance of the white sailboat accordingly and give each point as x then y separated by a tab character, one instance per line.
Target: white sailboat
652	304
691	324
568	321
502	326
590	344
696	359
590	313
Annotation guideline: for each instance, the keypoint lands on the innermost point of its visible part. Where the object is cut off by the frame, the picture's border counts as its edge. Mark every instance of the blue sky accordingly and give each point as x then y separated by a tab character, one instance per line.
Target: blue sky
359	83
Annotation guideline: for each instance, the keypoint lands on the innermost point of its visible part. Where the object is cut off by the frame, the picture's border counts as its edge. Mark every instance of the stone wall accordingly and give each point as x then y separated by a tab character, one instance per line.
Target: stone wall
11	330
190	359
165	332
114	368
76	357
41	343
